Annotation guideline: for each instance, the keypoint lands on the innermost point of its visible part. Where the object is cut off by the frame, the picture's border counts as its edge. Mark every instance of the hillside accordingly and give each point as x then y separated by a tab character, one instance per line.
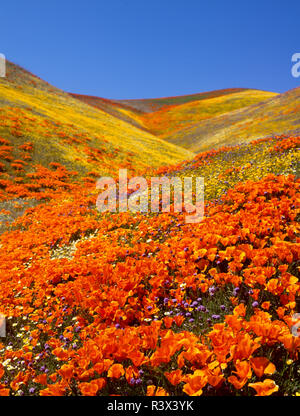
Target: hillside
209	120
164	116
173	120
273	116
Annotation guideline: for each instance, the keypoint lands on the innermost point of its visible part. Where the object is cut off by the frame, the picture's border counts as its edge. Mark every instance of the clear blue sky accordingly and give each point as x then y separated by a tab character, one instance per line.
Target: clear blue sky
141	49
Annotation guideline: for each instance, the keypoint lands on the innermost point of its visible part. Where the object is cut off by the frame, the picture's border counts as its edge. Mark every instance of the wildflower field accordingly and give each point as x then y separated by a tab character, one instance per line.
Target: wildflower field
146	304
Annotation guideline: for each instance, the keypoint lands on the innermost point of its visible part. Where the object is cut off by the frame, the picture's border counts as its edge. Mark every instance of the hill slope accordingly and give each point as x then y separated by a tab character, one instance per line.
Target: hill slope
170	120
274	116
137	304
115	108
66	131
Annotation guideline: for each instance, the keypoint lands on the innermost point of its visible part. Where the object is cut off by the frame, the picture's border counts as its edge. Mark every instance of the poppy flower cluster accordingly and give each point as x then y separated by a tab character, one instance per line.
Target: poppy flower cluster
145	304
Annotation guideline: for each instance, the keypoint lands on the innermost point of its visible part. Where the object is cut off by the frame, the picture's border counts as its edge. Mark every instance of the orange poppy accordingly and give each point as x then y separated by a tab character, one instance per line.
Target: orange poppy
66	371
41	378
195	383
4	392
156	391
266	305
88	389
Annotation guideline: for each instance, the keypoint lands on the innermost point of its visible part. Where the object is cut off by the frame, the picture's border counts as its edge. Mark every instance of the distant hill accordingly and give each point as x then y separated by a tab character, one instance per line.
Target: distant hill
277	115
150	105
115	108
93	134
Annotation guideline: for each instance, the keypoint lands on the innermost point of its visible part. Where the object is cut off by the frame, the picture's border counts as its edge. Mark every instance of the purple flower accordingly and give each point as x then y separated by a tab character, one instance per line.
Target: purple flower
216	316
118	326
255	304
166	300
191	320
149	308
223	307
